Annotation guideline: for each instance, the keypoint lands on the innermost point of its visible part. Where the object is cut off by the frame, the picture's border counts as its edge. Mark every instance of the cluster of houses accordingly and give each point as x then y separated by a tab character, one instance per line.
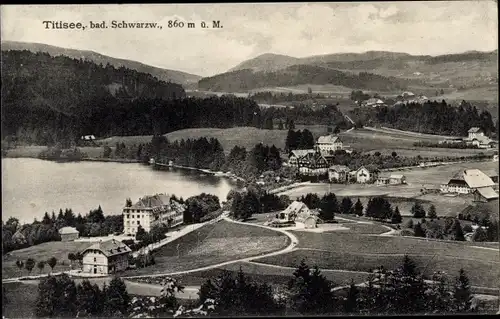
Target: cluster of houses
316	164
109	256
472	181
476	137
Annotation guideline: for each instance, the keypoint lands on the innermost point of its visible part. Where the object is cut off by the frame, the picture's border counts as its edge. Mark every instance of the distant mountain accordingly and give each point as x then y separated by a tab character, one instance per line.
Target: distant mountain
246	80
468	70
166	75
267	62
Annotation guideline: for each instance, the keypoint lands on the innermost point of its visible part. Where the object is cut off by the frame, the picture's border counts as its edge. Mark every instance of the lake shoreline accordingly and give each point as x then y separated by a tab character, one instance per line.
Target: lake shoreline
32	186
33	151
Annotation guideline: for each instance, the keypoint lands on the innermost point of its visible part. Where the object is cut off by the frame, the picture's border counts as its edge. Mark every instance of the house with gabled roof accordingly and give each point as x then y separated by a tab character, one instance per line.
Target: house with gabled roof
68	233
364	175
338	173
313	165
294	156
106	257
328	144
471	181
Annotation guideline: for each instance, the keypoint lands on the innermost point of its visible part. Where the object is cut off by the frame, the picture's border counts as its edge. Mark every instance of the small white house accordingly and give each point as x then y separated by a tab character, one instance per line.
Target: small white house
363	175
68	233
106	257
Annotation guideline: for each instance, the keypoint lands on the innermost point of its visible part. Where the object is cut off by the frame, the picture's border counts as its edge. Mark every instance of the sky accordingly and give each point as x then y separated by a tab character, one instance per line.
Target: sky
248	30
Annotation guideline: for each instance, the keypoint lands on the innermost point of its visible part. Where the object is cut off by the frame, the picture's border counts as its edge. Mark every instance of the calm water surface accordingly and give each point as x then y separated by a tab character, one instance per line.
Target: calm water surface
30	187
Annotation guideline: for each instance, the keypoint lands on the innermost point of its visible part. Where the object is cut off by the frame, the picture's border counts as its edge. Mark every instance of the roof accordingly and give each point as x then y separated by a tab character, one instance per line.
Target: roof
300	153
398	176
487	192
110	247
475	178
339	168
68	230
474	130
296	207
152	201
329	139
374	101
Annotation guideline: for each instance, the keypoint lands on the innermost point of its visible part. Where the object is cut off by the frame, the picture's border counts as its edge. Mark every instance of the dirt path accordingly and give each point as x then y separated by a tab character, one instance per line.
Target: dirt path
294	241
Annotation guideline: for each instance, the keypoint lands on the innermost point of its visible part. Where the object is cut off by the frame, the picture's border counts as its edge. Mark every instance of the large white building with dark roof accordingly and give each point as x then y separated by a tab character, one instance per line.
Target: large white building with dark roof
328	144
150	211
106	257
471	181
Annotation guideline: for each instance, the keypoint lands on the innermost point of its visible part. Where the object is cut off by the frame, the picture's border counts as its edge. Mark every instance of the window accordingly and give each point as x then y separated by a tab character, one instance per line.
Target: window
138	222
128	215
95	259
132	216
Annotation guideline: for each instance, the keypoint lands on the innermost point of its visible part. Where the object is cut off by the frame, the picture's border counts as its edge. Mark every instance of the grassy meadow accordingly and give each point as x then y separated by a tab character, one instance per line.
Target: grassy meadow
212	244
40	252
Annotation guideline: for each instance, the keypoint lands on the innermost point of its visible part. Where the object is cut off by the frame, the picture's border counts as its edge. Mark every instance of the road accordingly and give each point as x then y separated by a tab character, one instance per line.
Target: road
293	243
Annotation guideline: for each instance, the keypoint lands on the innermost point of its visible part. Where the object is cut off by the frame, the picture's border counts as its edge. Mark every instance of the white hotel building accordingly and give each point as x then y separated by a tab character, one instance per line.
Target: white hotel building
150	211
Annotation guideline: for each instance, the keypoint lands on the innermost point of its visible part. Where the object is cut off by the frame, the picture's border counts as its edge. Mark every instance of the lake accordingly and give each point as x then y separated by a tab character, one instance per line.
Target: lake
31	187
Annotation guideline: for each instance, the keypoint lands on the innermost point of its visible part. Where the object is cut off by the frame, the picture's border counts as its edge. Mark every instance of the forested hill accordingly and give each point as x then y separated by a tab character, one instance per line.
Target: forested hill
244	80
179	77
48	99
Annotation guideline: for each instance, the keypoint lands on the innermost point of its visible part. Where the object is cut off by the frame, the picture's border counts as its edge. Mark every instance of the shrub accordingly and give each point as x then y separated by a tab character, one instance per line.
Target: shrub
467	228
406	232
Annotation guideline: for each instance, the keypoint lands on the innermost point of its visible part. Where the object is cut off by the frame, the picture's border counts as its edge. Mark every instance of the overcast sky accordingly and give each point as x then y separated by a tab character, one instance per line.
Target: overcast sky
296	29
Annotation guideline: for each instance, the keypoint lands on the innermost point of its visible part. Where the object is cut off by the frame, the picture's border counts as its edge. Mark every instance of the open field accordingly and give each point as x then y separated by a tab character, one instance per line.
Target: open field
481	273
384	140
260	273
40	252
346	250
212	244
442	174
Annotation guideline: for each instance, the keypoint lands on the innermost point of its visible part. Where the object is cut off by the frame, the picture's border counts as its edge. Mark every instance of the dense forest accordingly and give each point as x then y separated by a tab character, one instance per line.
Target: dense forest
53	99
244	80
432	117
304	115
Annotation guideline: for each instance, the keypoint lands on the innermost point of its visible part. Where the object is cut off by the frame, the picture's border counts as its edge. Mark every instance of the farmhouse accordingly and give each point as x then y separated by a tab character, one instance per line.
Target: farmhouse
373	102
68	233
87	138
328	144
106	257
294	209
393	179
299	213
363	175
477	138
294	156
150	211
471	181
338	173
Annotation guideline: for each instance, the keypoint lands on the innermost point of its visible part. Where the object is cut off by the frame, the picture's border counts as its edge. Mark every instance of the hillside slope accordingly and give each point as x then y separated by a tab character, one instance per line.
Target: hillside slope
162	74
267	62
468	70
245	80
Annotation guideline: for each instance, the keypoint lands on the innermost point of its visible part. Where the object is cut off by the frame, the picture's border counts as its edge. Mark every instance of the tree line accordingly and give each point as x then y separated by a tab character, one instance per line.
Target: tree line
17	236
387	292
436	118
245	80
